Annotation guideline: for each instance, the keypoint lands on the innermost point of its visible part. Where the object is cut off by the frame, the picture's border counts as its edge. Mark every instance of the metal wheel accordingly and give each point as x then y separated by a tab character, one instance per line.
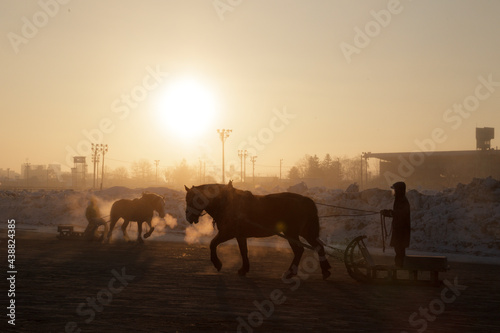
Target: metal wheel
355	260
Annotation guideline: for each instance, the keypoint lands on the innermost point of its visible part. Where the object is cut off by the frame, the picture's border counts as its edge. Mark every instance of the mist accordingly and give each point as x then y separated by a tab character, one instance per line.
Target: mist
195	232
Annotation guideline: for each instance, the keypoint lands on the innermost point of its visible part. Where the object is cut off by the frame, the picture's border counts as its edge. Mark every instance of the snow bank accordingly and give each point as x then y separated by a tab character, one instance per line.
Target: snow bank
461	220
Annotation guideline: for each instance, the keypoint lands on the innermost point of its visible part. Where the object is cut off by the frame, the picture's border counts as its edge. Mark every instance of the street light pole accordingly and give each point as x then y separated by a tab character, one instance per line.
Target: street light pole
156	164
224	134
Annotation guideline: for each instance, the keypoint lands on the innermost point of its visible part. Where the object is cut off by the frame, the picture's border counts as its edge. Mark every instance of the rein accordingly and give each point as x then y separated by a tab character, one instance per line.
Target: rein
366	212
383	227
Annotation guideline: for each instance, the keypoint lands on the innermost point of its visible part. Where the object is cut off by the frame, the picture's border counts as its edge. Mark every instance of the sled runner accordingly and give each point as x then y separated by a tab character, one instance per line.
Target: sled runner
361	266
66	231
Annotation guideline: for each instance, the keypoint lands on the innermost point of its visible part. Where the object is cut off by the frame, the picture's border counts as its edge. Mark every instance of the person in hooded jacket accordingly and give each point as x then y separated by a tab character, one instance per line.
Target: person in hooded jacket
401	222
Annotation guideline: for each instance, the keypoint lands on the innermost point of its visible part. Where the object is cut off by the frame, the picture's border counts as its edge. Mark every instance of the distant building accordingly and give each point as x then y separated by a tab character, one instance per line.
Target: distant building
38	175
34	175
79	172
439	169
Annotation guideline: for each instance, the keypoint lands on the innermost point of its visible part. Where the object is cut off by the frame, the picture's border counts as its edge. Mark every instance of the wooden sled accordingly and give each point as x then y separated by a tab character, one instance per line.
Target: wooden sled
66	231
361	267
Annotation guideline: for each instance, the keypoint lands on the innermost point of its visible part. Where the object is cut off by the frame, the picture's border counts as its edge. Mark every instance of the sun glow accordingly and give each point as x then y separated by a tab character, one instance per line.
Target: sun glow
187	108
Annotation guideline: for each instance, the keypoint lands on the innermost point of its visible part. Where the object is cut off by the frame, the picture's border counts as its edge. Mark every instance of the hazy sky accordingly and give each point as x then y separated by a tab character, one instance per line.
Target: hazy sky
288	77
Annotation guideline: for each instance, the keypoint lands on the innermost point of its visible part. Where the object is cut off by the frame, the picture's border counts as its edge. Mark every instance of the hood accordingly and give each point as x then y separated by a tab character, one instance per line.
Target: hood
399	188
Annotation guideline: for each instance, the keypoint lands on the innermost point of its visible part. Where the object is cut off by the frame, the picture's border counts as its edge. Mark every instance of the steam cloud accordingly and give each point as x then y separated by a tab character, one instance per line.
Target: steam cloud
160	224
194	232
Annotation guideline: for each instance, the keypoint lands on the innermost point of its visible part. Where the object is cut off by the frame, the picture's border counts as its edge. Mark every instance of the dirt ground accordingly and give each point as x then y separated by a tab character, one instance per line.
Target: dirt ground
77	286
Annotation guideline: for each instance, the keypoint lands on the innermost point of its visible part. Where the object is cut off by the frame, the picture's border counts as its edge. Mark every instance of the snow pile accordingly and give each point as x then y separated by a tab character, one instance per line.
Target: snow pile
462	220
43	208
35	209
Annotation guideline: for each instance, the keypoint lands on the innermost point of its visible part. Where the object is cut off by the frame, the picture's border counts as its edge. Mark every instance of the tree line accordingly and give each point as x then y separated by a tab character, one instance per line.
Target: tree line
330	171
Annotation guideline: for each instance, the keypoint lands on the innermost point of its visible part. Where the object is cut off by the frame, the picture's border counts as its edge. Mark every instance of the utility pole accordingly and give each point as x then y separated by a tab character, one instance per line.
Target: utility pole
104	149
361	174
253	159
281	163
365	155
245	166
156	164
97	168
95	158
242	155
224	134
27	171
199	172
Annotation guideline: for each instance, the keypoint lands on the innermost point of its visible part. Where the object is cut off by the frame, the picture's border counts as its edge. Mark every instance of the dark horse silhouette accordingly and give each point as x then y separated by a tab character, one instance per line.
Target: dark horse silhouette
240	214
138	210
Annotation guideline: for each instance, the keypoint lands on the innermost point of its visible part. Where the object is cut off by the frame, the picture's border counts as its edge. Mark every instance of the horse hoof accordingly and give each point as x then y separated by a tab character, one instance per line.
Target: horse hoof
242	272
147	234
218	266
288	275
326	274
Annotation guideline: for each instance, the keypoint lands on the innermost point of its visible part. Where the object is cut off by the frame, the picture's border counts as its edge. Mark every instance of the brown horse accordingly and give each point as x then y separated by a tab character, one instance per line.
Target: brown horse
138	210
240	214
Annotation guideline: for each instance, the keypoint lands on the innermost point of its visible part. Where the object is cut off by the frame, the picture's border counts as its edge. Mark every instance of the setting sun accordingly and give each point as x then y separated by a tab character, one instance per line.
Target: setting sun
187	108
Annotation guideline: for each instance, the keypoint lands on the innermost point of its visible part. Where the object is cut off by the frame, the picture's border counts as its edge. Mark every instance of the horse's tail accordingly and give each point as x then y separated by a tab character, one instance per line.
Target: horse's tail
311	234
311	229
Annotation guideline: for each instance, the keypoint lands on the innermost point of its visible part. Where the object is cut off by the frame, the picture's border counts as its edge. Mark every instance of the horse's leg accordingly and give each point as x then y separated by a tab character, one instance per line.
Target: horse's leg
323	262
111	226
105	232
139	232
151	229
242	243
297	251
124	230
219	238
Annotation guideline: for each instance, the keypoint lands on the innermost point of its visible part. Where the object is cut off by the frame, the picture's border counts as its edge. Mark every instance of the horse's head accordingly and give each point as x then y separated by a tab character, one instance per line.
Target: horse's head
203	198
156	201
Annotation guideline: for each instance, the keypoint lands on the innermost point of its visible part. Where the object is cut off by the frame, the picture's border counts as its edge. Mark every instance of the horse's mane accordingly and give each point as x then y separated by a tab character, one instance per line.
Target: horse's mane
244	194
